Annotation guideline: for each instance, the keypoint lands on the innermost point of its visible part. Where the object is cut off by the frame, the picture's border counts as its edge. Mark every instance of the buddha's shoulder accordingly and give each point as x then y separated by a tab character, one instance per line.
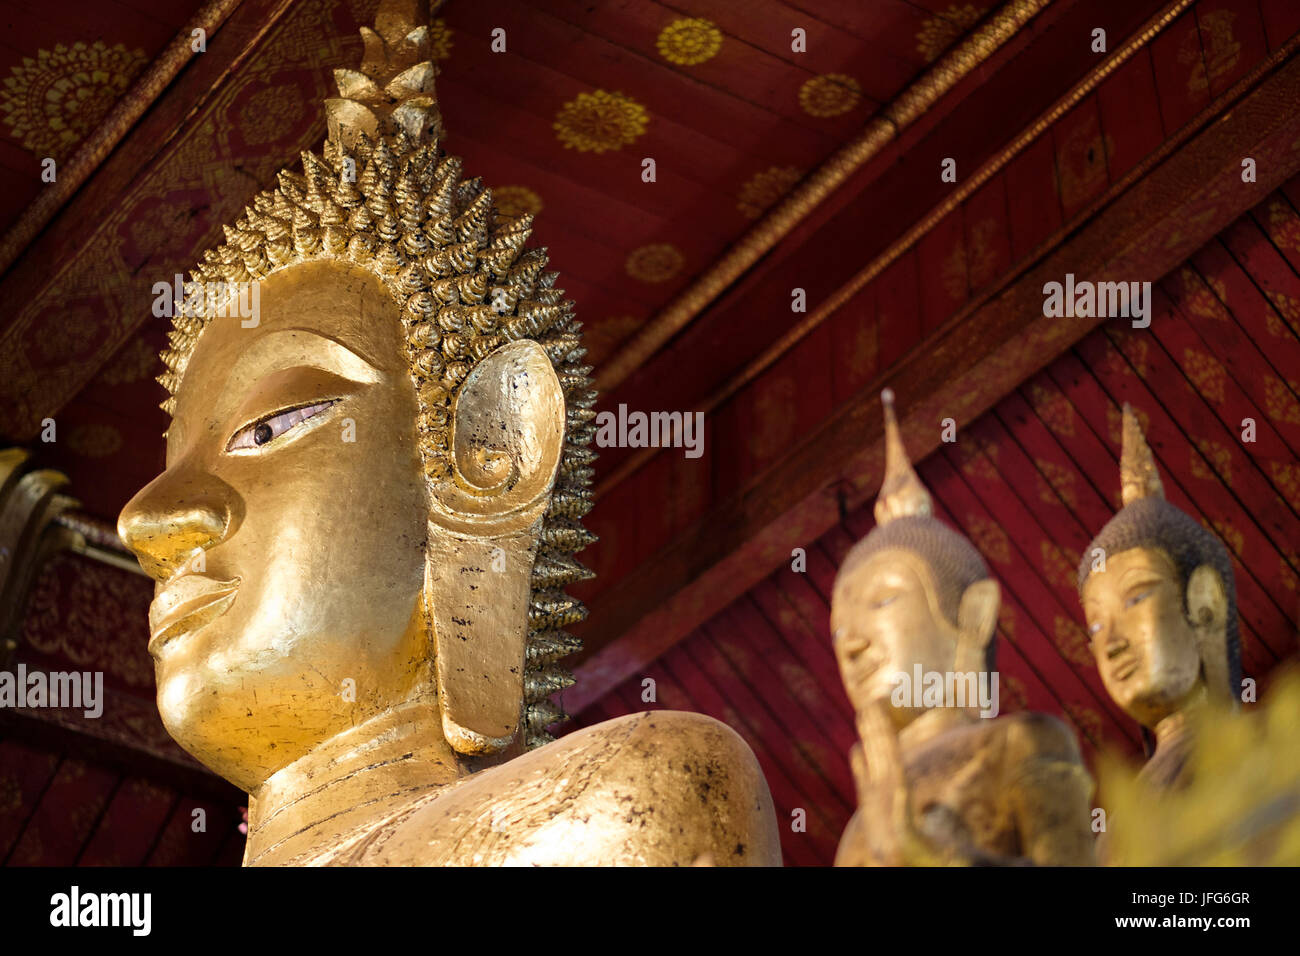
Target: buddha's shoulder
1026	735
658	788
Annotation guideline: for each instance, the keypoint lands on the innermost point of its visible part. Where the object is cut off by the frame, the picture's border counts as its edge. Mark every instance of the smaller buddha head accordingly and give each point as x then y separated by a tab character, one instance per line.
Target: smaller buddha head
1157	591
912	592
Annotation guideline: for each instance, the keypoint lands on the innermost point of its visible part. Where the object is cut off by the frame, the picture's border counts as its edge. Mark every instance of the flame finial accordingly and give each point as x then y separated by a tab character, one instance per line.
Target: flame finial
901	493
1137	466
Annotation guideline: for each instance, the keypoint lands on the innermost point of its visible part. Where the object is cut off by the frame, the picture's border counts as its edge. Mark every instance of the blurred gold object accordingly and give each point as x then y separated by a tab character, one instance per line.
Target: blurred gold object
372	499
937	784
1240	805
1158	594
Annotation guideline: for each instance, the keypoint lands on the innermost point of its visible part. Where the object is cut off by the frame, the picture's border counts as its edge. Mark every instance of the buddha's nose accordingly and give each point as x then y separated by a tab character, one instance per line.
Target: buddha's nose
171	519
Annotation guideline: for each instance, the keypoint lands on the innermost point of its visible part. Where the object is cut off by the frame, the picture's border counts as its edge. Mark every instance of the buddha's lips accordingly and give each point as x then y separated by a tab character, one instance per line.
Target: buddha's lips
185	604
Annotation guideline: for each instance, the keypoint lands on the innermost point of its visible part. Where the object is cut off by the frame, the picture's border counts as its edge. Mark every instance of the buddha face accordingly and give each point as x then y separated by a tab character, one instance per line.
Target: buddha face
287	533
1144	645
886	619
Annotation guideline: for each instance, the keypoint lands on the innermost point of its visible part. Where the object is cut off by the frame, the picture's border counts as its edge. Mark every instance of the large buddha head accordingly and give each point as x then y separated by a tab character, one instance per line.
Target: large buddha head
373	487
912	592
1157	591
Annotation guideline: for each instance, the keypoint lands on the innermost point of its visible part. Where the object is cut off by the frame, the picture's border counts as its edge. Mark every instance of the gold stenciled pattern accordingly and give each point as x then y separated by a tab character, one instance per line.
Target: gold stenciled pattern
830	94
939	31
52	101
765	189
689	41
1211	52
599	122
515	201
657	262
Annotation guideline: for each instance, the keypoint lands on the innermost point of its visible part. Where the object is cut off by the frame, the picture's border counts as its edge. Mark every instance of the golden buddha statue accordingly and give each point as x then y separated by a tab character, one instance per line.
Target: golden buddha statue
937	783
368	516
1158	594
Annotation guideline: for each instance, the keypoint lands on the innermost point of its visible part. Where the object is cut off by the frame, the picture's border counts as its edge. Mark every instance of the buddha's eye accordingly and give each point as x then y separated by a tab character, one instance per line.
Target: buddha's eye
273	426
882	600
1140	596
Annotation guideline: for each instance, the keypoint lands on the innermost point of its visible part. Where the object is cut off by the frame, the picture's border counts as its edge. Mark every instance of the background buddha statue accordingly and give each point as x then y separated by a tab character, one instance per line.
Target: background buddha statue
941	784
369	513
1158	594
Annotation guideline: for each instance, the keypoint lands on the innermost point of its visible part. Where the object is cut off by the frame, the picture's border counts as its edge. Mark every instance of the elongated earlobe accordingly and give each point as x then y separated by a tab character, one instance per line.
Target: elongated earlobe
977	619
507	436
1207	611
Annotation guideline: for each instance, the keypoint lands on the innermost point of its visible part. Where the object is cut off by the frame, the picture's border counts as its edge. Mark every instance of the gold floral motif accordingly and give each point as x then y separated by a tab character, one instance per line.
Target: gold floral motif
1280	401
1220	48
81	613
979	459
657	262
268	113
1085	718
50	103
1013	696
1061	565
774	418
1199	300
1053	408
765	189
1230	536
830	94
1219	456
1129	355
1288	307
1285	231
94	441
1072	641
1205	373
135	363
989	539
600	121
1081	163
514	201
866	347
1055	483
689	41
952	274
981	253
939	31
1286	477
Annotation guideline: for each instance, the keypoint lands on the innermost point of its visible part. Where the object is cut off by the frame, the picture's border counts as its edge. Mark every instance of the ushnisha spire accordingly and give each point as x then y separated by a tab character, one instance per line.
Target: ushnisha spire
1137	466
901	492
393	89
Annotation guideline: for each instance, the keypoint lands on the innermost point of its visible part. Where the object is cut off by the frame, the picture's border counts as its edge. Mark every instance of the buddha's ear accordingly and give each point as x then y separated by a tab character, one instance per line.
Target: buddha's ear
1207	611
507	432
977	619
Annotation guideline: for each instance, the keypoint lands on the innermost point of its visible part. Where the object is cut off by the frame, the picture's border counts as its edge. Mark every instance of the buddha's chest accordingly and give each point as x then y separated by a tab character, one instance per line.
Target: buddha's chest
959	791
